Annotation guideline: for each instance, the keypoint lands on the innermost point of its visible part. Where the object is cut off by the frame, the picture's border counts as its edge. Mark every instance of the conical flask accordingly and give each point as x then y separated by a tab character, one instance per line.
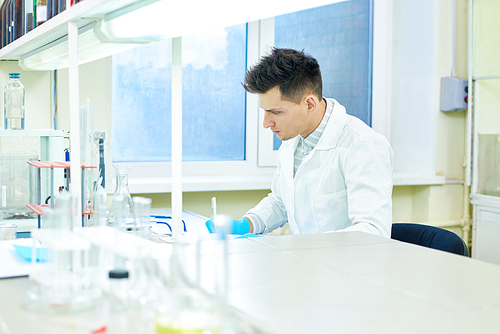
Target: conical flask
121	171
492	187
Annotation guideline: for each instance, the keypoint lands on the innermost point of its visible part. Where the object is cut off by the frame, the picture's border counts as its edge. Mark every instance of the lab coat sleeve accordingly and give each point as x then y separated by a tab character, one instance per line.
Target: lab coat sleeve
271	213
368	168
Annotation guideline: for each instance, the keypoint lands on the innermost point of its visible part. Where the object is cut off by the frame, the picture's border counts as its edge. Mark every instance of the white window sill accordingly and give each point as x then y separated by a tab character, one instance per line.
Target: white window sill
144	185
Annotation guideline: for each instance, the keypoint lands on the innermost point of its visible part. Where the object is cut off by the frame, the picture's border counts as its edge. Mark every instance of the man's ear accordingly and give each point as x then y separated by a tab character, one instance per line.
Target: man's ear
311	101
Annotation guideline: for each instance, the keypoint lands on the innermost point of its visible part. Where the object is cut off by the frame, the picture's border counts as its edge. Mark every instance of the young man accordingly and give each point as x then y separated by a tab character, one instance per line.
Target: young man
334	173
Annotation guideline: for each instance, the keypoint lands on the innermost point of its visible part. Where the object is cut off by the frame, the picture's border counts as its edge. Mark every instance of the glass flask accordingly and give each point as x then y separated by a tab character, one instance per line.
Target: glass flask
14	103
188	308
492	187
121	171
62	270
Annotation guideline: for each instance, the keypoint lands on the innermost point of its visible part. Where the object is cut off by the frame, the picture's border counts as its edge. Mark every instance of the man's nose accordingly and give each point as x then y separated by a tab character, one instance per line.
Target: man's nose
268	121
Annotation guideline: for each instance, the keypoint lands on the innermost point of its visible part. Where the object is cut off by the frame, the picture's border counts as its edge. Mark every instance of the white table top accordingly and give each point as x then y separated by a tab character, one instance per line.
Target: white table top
348	282
359	283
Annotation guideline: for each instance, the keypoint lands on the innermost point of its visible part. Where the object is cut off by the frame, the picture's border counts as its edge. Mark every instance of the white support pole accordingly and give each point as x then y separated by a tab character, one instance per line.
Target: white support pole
176	132
74	119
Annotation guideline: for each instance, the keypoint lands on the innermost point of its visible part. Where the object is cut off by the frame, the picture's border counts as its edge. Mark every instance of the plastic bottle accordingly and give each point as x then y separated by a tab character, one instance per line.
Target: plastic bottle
14	103
118	286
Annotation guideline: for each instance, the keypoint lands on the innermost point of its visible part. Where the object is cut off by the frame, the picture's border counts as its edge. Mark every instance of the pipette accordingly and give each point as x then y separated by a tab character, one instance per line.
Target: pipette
214	206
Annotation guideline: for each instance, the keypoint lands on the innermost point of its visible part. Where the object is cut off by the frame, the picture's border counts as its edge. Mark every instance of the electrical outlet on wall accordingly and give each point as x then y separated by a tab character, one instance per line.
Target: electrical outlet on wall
453	94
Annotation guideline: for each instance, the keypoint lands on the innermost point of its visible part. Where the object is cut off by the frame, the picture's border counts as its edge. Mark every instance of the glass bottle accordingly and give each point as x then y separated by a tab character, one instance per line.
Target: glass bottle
122	190
14	103
492	187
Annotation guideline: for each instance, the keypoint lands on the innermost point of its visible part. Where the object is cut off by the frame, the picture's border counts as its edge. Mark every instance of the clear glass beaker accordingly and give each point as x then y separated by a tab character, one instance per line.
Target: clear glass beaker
15	178
189	309
62	270
142	209
121	171
8	231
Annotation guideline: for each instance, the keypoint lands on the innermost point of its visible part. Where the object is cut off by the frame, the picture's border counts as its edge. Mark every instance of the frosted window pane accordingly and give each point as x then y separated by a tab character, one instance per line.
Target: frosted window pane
339	37
213	99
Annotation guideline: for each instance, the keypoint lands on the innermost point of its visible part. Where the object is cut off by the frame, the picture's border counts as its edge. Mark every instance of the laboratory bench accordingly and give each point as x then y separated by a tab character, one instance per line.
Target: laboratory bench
345	282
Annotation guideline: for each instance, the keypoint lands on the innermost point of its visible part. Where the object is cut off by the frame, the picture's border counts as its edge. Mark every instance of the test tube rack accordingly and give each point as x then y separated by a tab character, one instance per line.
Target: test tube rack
38	207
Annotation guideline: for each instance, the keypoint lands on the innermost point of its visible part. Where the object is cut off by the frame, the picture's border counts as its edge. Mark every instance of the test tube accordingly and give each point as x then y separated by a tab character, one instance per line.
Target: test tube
142	208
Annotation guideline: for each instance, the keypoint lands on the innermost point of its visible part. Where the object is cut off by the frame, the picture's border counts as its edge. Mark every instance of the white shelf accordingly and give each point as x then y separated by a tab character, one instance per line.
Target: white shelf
84	13
176	18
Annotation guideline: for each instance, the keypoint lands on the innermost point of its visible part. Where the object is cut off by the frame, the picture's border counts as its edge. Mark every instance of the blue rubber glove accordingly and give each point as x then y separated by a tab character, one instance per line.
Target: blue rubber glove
240	226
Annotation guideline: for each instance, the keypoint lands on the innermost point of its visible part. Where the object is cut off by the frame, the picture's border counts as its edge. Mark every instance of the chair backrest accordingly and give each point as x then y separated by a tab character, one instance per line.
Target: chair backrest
429	236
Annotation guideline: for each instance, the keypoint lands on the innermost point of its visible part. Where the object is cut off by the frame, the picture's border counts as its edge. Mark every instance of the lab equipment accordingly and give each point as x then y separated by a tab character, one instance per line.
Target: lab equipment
142	224
98	206
121	170
8	231
14	97
20	179
118	288
214	206
492	187
188	309
15	180
164	221
62	278
100	157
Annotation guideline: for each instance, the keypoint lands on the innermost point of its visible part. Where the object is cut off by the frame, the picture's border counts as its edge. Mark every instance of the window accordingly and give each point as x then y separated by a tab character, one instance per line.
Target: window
369	62
213	100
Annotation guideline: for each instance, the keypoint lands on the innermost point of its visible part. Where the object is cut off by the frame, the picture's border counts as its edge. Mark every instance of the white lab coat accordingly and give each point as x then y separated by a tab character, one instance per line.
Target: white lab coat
344	183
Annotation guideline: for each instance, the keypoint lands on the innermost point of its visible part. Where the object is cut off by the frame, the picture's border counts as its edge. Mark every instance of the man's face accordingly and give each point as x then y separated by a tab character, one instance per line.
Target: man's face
285	119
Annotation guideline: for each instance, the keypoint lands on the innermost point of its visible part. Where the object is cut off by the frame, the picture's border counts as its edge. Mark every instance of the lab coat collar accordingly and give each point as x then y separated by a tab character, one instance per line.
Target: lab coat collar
330	137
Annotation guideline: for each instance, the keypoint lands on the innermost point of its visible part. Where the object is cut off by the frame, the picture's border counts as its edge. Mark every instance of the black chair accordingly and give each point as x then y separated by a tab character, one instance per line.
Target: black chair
429	236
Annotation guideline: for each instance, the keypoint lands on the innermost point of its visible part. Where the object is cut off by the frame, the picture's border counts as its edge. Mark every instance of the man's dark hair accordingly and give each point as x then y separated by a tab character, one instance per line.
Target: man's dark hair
294	72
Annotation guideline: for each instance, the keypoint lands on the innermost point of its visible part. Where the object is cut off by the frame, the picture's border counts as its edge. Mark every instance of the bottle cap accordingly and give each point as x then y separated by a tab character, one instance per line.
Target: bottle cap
118	273
14	75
